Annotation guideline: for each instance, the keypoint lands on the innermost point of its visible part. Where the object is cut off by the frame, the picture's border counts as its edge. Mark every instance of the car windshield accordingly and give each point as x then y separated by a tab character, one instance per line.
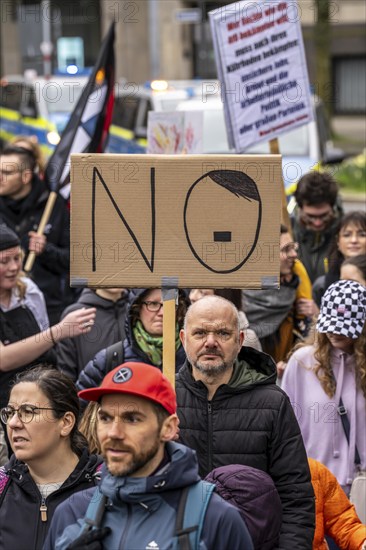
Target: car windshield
62	96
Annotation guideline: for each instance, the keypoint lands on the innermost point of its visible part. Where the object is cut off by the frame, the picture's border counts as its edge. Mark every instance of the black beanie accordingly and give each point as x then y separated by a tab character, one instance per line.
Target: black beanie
8	239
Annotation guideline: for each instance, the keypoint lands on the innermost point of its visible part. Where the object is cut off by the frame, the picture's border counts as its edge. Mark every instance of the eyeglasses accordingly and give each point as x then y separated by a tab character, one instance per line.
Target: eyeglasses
153	306
290	247
313	217
25	413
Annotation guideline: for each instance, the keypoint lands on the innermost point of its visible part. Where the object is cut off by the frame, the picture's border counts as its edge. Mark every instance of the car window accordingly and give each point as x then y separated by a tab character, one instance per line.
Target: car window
61	97
29	98
11	96
125	112
141	122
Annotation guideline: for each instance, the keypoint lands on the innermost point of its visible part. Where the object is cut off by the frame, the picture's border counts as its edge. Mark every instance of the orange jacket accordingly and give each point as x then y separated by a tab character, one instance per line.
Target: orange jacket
335	515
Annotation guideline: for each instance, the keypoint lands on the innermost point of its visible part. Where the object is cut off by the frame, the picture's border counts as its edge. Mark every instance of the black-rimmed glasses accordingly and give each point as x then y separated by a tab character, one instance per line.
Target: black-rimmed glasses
25	413
154	307
323	217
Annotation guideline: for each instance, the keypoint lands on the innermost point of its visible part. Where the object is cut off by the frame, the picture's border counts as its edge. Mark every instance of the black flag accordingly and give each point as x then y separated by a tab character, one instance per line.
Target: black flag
88	126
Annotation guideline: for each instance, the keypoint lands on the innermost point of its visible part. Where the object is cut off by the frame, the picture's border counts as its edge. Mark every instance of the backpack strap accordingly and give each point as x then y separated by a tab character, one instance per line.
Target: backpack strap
95	511
191	514
114	356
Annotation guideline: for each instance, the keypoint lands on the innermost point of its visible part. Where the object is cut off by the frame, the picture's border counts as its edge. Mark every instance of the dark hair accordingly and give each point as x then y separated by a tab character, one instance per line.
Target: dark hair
137	304
26	156
315	188
359	262
161	413
335	256
231	294
62	394
283	229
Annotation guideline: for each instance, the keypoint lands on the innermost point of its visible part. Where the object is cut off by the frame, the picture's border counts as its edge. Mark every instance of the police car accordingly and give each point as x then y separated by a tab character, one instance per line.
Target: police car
34	105
302	149
128	130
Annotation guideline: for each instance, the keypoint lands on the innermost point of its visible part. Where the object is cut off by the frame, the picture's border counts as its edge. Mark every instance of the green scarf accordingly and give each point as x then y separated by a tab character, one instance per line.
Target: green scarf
152	345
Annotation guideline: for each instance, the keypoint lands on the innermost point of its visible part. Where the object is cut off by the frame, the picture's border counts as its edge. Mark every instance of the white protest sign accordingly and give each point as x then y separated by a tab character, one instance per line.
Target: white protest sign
174	132
262	68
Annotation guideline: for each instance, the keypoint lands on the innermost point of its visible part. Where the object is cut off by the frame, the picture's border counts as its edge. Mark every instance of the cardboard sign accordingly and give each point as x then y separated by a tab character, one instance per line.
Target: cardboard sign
179	221
262	69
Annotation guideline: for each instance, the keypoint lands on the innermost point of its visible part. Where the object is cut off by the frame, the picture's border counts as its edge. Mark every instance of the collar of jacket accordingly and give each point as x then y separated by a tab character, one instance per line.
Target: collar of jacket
86	468
251	368
181	470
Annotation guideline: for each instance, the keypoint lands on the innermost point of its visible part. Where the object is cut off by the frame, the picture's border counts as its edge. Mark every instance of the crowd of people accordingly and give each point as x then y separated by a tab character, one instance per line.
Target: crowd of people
99	451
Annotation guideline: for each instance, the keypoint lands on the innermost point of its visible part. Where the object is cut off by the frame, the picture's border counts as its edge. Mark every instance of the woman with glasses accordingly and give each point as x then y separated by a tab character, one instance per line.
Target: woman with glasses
349	241
144	338
25	335
50	461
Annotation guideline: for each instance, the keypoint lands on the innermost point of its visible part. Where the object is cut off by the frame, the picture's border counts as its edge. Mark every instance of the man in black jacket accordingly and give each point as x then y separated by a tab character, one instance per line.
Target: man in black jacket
23	197
232	412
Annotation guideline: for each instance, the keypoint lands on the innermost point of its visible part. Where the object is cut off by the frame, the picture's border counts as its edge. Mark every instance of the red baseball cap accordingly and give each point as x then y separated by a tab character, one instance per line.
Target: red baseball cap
138	379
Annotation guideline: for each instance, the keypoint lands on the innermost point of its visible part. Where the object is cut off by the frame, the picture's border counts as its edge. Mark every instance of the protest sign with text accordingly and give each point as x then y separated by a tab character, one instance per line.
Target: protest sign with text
262	69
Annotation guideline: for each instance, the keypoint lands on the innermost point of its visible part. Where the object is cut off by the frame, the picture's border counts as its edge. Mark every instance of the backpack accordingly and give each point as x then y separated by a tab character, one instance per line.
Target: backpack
115	355
192	507
254	494
4	483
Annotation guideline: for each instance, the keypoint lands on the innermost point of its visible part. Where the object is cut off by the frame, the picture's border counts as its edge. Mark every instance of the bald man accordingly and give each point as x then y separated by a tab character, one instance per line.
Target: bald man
232	412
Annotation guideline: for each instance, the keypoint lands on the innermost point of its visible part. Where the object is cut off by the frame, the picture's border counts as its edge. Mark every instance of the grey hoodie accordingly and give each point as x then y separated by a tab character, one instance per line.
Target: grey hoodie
109	327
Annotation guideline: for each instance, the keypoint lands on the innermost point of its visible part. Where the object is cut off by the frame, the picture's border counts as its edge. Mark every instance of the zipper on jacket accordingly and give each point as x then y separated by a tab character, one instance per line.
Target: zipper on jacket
124	536
43	509
210	435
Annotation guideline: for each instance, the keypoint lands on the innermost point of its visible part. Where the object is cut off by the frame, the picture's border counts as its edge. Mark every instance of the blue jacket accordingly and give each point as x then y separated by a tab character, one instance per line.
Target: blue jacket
141	512
94	372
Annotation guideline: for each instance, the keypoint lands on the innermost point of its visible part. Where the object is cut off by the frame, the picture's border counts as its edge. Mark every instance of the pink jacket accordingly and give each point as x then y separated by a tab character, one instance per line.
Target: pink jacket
317	414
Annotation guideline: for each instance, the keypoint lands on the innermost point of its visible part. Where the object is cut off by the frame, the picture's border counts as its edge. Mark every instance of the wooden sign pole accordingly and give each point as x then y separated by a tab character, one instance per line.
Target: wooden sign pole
170	296
285	218
41	227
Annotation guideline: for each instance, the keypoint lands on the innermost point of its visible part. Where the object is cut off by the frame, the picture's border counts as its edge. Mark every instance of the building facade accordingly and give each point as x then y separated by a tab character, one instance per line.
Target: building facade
171	39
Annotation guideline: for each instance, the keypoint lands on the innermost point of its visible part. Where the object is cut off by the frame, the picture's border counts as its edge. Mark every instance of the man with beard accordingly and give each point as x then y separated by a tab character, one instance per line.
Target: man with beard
232	412
23	198
144	476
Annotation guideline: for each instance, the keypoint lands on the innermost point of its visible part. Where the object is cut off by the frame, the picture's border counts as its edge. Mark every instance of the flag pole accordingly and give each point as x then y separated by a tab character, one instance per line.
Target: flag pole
104	63
41	227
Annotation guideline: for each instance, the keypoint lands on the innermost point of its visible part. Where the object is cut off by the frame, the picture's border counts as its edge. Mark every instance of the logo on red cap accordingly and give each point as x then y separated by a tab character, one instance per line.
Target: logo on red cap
122	375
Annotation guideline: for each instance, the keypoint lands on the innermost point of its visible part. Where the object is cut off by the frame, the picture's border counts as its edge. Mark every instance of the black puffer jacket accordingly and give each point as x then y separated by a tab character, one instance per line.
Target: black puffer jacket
94	372
22	527
109	327
51	268
250	421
